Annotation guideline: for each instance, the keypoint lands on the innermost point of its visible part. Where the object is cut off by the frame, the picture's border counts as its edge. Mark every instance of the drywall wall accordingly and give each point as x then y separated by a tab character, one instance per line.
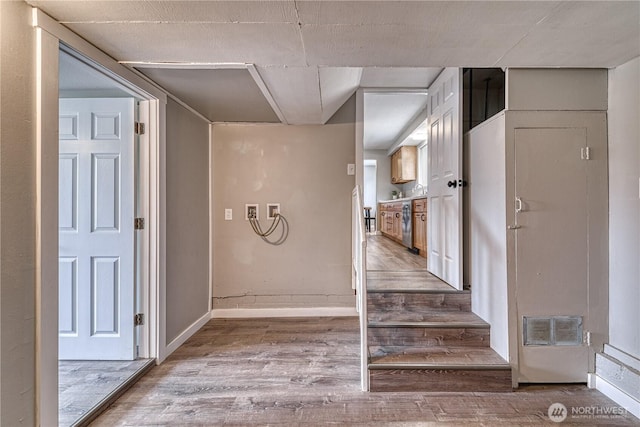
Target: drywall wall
487	241
187	219
17	216
624	207
304	168
556	89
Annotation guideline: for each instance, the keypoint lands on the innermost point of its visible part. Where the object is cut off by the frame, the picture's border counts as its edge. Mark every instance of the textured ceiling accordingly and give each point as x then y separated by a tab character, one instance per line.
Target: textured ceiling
310	56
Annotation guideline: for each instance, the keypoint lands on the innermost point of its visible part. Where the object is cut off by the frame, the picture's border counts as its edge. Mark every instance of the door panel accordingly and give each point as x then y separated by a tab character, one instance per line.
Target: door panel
445	156
551	249
96	240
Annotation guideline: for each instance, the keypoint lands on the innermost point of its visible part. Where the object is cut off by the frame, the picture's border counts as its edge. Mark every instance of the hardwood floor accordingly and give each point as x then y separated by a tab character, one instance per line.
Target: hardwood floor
385	254
83	384
306	372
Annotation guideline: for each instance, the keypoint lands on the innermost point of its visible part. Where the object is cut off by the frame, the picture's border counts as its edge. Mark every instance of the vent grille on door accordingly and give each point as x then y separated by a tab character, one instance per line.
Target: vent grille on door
557	330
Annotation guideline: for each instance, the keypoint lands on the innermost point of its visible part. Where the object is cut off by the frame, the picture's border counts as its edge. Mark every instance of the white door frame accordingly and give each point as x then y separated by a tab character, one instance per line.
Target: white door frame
50	37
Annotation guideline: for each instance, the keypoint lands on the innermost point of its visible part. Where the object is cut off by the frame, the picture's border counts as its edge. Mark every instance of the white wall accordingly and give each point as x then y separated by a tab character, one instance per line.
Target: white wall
624	207
370	194
17	216
487	241
384	187
187	219
304	168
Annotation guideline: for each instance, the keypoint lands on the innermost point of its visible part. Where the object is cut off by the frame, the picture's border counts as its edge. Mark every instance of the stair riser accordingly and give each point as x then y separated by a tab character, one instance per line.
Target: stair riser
425	337
408	301
432	380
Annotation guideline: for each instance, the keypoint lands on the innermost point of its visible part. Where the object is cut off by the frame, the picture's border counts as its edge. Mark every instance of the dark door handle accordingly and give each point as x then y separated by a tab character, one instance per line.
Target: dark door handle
453	184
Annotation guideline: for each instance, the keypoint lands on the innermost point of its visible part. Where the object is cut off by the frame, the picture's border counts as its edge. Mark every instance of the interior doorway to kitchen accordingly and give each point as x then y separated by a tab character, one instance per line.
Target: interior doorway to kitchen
100	286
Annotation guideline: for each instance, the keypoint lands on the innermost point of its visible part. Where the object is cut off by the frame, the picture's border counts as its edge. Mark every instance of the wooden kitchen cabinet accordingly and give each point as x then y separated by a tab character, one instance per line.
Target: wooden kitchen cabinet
419	209
391	220
403	165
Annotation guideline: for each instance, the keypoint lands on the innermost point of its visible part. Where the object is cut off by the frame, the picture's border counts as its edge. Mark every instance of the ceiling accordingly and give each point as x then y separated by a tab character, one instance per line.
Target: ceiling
297	62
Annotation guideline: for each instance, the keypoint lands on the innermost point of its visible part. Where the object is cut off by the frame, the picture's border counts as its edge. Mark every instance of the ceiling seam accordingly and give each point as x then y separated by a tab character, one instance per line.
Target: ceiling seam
299	22
320	95
540	21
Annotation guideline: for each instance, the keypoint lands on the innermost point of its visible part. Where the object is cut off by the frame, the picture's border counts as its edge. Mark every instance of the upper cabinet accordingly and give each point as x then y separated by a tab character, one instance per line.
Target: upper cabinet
403	165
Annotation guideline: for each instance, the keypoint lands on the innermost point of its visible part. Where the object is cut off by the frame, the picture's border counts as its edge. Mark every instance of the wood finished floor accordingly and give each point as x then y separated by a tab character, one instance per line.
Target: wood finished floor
387	255
306	372
83	384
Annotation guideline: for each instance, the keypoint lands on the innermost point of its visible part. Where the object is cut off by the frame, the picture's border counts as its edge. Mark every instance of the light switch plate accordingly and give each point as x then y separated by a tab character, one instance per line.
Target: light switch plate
351	169
228	214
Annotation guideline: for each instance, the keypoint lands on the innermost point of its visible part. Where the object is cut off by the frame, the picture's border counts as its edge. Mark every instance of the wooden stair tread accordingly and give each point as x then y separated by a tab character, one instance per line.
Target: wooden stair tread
378	281
390	357
426	316
431	325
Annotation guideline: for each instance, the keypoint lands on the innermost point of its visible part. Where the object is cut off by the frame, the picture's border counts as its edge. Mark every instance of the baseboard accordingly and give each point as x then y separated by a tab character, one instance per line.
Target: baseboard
186	334
622	356
238	313
620	397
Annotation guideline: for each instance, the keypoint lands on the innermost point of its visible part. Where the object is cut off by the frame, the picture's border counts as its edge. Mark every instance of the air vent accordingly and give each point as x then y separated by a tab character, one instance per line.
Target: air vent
557	330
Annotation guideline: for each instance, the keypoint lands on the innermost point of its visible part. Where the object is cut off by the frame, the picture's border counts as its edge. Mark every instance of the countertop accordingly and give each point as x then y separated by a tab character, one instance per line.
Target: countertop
404	199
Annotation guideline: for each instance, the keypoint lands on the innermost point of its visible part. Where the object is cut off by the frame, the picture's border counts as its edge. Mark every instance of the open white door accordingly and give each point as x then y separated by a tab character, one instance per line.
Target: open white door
445	177
96	233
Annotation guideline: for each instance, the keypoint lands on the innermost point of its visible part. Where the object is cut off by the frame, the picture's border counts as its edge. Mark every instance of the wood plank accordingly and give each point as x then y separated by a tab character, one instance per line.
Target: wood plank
392	314
405	280
433	355
213	380
419	301
385	254
429	336
443	380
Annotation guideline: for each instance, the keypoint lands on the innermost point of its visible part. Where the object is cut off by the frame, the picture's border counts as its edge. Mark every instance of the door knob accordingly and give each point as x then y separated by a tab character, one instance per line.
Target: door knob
453	184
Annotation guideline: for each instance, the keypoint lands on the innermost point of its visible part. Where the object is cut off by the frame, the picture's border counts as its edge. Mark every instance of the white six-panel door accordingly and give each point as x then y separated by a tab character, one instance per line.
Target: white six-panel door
96	235
445	177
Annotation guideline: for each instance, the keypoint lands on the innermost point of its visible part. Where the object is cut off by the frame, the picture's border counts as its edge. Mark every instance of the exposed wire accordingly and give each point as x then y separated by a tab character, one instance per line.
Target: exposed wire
277	220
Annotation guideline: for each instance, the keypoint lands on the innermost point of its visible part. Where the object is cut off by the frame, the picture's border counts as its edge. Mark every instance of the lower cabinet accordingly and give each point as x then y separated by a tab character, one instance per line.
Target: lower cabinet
419	209
391	220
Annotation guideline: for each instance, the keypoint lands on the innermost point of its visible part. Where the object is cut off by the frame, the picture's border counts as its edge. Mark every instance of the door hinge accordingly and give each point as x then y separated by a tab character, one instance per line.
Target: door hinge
585	153
138	319
138	223
138	128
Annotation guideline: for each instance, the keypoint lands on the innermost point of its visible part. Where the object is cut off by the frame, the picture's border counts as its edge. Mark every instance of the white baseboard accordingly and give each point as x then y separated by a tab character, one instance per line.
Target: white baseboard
620	397
186	334
239	313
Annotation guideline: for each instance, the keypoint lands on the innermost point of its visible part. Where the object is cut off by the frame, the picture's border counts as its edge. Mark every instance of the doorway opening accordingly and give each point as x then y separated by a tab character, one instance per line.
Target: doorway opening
103	293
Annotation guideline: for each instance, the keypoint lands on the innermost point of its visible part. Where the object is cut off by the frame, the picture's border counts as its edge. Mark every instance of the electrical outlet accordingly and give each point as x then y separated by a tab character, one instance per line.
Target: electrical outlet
228	214
251	211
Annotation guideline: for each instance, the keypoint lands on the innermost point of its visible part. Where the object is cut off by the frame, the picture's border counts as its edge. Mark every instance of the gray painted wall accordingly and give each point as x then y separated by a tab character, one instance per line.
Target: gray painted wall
17	216
556	89
187	219
624	207
304	168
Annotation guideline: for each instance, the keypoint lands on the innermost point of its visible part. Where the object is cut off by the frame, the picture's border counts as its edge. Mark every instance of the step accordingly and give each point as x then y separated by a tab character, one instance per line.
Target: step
438	369
427	334
623	376
419	300
424	316
405	280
